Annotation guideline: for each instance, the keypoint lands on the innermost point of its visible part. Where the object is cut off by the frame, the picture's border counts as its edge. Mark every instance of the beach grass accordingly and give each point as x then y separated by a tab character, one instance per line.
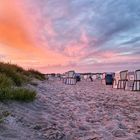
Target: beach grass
12	80
18	94
36	74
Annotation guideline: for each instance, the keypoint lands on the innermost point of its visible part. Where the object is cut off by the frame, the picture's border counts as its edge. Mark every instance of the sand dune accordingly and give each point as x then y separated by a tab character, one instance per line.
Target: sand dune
86	111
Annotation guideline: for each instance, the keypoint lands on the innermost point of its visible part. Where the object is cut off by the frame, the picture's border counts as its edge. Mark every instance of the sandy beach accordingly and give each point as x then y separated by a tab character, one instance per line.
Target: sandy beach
85	111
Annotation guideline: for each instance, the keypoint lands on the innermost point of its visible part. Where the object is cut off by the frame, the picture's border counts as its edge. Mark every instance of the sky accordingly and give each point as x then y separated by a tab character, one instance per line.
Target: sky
61	35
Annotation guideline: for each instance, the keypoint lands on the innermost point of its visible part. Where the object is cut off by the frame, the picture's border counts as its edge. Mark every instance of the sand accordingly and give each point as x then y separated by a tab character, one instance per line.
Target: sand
85	111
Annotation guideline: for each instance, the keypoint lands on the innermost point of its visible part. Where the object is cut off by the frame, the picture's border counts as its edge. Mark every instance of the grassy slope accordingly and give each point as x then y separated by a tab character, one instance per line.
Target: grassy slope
12	78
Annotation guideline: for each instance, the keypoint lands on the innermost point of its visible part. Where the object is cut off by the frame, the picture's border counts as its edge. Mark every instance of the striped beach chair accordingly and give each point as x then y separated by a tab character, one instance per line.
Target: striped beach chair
70	78
116	79
136	84
130	82
123	79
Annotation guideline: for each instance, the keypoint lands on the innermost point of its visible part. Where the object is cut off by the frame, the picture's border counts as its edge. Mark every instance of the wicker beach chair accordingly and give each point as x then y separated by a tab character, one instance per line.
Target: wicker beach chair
94	76
82	77
130	82
85	76
136	84
116	79
70	78
123	79
97	76
64	75
103	78
88	77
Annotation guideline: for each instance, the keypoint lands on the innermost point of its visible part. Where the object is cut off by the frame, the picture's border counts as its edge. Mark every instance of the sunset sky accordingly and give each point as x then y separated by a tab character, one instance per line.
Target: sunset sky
61	35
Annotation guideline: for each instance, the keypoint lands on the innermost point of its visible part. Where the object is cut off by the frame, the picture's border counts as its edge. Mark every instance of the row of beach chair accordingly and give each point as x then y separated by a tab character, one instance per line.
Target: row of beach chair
127	80
124	80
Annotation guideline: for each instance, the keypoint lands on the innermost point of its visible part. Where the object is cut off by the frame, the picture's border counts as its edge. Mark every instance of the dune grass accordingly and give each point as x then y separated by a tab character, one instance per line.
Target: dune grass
18	94
36	74
5	81
12	78
18	75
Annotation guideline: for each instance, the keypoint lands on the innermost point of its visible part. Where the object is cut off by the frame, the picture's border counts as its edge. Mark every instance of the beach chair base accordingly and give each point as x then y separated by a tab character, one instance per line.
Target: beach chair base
103	81
129	85
136	85
70	81
121	84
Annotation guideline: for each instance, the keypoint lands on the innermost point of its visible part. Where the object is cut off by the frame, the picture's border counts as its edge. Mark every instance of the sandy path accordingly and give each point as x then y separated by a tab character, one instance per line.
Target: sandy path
86	111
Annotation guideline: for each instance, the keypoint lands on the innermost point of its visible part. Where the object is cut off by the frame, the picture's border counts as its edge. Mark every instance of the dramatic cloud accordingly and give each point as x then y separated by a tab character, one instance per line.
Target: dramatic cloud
86	35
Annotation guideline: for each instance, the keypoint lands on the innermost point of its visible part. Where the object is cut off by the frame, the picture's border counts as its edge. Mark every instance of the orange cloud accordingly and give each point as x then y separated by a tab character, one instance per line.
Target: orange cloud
16	39
12	30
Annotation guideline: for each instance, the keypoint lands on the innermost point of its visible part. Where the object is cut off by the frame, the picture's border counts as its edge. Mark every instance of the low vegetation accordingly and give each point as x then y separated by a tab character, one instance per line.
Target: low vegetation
12	78
3	115
18	94
36	74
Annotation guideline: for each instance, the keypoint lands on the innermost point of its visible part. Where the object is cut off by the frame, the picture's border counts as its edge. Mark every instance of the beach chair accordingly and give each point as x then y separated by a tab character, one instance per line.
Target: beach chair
103	78
136	84
94	76
97	76
130	82
109	78
116	79
65	75
70	78
82	77
88	77
123	79
85	76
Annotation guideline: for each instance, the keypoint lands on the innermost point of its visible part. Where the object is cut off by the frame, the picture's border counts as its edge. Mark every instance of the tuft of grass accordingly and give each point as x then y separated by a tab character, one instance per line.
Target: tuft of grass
5	81
3	115
36	74
18	94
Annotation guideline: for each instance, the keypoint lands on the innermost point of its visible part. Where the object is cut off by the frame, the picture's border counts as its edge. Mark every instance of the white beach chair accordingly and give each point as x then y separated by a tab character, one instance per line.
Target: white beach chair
70	79
94	76
130	82
116	79
123	79
82	77
136	84
64	76
103	78
97	76
86	76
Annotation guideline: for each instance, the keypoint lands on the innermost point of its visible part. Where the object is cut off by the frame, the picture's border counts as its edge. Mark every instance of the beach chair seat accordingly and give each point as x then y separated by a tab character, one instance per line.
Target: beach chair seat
136	84
123	79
